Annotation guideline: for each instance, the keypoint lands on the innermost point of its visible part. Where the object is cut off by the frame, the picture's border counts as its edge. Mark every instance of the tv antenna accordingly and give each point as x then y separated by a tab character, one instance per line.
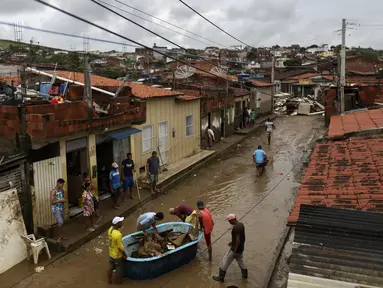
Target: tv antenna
184	72
219	70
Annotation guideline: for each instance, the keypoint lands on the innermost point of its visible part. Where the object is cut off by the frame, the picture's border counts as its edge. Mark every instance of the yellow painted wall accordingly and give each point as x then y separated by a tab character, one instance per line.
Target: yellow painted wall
167	109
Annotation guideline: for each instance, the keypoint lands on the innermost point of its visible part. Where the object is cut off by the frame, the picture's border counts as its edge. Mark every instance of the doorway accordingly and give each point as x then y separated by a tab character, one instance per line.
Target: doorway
163	142
77	163
223	123
209	120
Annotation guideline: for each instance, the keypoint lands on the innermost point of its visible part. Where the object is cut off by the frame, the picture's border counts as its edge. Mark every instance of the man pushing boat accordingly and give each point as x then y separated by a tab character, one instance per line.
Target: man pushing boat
148	220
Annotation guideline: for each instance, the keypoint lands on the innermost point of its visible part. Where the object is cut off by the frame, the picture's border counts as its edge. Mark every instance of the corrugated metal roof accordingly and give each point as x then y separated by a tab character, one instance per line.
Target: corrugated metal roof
337	244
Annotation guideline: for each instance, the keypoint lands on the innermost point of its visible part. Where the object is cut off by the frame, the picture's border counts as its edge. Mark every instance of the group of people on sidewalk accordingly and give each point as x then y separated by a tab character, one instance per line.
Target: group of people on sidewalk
200	217
121	184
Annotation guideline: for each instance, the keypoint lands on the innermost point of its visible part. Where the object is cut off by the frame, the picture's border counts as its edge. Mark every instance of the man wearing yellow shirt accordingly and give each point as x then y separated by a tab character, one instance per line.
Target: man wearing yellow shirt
116	250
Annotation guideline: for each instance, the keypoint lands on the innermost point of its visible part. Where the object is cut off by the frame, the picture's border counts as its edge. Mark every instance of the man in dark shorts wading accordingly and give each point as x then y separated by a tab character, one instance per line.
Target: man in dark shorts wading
127	176
152	167
115	185
237	245
116	250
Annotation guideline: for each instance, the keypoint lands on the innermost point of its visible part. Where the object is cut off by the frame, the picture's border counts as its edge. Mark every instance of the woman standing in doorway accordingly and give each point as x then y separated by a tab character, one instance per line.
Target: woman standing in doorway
96	204
87	197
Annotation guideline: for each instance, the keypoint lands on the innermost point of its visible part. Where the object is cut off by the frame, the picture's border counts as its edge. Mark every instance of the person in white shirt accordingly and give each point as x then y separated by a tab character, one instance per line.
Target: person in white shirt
149	219
211	137
269	127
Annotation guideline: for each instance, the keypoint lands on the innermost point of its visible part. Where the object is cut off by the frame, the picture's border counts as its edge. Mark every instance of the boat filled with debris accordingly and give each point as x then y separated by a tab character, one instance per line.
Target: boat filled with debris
151	255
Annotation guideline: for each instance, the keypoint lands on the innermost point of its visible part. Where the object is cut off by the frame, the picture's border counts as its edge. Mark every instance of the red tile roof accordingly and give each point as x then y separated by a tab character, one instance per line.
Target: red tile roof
138	90
260	83
353	122
187	97
304	76
343	174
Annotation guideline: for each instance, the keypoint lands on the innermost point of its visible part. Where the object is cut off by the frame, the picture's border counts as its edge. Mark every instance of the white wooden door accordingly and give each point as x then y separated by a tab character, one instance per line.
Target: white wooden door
163	142
45	175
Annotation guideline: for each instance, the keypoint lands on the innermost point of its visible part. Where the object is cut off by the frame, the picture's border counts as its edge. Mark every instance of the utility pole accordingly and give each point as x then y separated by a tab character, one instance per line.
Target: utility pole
343	66
87	88
272	82
225	115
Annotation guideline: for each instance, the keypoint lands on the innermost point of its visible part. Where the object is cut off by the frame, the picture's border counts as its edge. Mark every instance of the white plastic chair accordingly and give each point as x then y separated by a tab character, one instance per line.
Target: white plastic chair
35	246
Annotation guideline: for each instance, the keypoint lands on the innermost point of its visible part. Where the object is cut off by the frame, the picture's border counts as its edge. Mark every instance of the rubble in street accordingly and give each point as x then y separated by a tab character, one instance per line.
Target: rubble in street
286	104
151	245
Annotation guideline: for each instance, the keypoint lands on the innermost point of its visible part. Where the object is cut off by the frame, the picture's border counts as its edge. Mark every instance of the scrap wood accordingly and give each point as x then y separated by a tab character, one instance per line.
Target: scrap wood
179	240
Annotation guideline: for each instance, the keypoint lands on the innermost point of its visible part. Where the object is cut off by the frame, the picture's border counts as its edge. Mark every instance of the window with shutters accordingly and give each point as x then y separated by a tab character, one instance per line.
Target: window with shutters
147	139
189	126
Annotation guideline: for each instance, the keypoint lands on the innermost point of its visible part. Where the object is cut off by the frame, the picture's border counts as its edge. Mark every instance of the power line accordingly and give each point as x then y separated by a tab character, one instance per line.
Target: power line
122	10
123	37
214	24
179	46
67	34
154	33
178	27
130	40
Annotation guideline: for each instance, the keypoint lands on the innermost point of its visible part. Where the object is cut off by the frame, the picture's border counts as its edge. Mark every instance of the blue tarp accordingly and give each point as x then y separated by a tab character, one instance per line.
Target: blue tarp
122	133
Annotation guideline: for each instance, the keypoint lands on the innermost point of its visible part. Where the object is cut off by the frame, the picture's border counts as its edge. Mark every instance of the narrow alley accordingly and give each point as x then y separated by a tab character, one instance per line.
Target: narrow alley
229	185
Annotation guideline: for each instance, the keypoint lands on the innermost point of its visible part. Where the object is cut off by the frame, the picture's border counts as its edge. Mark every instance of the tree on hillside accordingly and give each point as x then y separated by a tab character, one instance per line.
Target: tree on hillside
313	46
73	61
252	55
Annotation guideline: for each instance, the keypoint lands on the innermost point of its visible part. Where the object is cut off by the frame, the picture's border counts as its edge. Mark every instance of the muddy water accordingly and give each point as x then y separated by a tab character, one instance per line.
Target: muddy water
227	186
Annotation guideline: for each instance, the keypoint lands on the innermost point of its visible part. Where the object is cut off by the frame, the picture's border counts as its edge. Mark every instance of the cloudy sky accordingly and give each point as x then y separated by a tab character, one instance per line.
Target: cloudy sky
255	22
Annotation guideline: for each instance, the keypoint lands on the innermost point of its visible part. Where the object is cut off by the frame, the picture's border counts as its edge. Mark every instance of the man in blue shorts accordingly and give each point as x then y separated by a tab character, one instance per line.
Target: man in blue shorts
115	183
127	175
259	157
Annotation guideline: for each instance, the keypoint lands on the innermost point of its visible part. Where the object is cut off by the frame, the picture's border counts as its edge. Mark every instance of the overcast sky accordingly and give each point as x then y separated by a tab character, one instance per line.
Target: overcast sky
256	22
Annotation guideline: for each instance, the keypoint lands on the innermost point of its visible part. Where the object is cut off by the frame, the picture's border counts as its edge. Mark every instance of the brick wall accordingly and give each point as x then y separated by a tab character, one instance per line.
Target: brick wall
54	121
9	121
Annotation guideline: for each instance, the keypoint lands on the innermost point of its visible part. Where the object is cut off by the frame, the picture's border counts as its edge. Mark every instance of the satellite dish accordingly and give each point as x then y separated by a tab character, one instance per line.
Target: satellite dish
219	70
184	72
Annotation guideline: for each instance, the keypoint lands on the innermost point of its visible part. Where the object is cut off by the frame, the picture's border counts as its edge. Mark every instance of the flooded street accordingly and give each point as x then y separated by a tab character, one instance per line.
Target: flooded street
228	185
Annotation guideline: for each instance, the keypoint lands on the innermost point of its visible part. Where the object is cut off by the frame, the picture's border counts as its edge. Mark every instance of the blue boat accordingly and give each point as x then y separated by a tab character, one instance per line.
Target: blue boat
149	268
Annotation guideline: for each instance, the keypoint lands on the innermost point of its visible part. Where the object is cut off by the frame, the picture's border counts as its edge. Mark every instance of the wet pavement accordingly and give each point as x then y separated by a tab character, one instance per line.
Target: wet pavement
228	185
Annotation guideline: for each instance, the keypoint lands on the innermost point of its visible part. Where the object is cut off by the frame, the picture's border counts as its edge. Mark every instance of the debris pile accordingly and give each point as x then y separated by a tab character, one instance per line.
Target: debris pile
152	245
286	104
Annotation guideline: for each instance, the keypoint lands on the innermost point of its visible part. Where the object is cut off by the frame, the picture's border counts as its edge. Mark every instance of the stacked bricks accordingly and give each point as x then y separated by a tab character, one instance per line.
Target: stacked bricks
9	121
354	122
57	120
344	174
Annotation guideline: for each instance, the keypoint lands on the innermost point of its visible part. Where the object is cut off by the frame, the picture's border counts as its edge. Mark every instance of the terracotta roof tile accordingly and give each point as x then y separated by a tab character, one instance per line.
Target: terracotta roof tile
187	98
304	76
260	83
345	174
353	122
138	90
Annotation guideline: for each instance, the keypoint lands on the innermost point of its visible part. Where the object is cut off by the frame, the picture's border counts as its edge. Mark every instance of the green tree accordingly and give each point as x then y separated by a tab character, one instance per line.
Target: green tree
293	62
252	55
73	61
